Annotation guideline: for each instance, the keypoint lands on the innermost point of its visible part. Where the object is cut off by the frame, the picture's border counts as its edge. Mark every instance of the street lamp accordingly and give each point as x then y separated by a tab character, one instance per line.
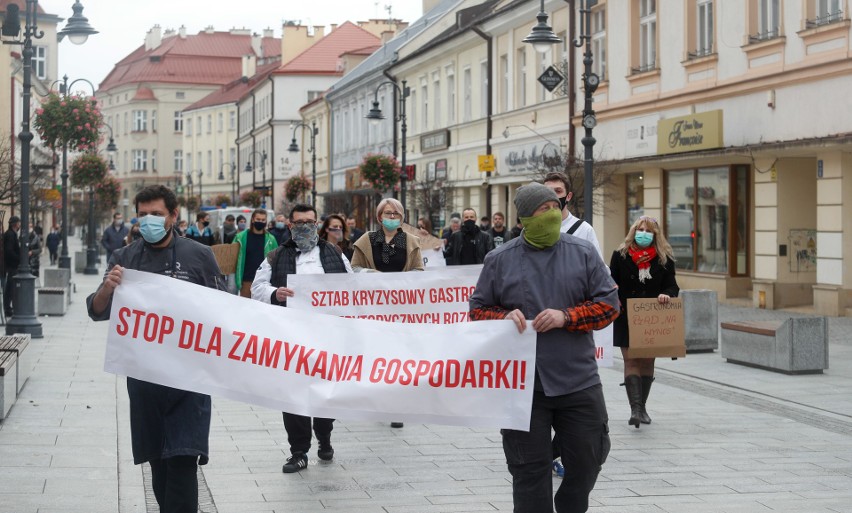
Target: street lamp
542	37
233	181
78	30
294	148
200	189
92	245
189	182
64	257
250	169
375	116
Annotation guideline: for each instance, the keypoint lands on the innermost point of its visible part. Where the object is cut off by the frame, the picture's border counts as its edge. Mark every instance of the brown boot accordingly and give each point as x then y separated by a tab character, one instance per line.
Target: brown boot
633	386
646	389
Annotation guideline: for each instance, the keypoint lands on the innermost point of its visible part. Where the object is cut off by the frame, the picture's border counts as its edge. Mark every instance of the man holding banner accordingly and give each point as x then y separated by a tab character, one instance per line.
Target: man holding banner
562	284
169	428
303	253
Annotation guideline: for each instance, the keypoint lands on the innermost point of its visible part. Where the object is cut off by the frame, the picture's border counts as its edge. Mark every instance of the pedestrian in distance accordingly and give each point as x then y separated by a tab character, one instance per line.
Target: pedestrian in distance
355	233
255	243
500	234
52	242
335	231
470	244
201	231
169	428
241	223
424	227
182	228
304	253
11	260
388	249
562	285
279	229
114	235
642	267
229	229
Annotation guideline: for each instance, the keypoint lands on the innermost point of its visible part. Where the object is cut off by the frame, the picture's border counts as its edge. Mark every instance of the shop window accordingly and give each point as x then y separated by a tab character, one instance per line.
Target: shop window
635	198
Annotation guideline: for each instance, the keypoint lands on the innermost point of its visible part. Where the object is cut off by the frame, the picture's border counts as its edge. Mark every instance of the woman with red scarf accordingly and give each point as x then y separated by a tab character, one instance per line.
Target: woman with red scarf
642	267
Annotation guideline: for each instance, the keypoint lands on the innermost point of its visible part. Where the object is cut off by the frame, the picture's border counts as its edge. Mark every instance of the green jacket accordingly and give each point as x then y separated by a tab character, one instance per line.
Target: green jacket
269	244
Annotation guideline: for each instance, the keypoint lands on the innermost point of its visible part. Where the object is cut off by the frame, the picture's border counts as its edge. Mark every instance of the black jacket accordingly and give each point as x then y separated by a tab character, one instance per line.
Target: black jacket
482	243
11	251
625	273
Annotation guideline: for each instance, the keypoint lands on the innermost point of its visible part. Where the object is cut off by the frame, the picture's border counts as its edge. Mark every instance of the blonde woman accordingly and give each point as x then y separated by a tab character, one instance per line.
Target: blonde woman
388	249
643	267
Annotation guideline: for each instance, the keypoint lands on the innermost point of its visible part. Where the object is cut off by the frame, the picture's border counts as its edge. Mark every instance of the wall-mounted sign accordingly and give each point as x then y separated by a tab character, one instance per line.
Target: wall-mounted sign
486	163
550	78
441	169
700	131
434	141
641	136
527	158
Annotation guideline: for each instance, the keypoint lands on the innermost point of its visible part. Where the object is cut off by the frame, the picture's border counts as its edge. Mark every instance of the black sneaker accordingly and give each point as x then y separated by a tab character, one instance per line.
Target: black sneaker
325	451
396	424
295	463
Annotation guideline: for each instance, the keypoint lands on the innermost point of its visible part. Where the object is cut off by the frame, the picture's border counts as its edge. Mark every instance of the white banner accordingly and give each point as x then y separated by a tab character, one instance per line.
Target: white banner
439	297
190	337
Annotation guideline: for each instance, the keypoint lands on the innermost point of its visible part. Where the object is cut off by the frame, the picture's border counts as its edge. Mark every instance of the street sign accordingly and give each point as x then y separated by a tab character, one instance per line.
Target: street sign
486	163
550	78
262	189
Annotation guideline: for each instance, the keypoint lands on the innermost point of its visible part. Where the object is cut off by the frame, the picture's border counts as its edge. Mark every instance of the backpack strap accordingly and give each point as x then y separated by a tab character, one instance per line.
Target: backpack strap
574	227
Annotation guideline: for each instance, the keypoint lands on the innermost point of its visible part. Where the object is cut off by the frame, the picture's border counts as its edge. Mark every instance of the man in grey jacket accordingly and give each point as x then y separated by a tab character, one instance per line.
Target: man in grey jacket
169	428
561	283
114	235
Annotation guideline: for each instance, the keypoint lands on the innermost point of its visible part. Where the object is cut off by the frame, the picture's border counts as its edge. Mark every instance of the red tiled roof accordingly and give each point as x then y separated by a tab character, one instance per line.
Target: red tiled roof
144	94
367	50
235	90
322	57
209	59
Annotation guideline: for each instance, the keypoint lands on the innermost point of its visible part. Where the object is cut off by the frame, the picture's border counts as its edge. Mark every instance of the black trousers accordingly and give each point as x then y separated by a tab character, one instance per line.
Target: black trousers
580	420
299	431
175	484
8	291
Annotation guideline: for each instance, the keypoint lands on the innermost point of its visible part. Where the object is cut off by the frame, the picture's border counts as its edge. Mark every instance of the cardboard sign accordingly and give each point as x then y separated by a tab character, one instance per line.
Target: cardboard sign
226	256
426	241
656	329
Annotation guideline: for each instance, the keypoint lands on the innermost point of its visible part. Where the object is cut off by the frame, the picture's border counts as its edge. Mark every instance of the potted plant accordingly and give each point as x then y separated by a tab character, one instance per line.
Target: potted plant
108	192
251	198
296	187
87	170
222	200
71	120
381	171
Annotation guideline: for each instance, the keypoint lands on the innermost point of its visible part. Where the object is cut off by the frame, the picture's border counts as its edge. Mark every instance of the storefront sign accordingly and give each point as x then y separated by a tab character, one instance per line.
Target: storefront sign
434	141
641	137
441	169
700	131
527	158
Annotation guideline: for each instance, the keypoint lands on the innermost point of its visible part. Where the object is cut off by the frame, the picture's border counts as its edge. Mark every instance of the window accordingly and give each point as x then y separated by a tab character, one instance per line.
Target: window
451	97
178	164
484	79
180	95
221	159
189	162
39	61
635	183
188	126
154	120
521	66
198	125
178	121
140	120
313	95
436	94
220	122
126	123
209	163
232	120
504	89
827	11
704	28
647	36
706	219
232	156
467	84
209	123
545	60
140	160
768	20
424	106
599	42
413	103
154	160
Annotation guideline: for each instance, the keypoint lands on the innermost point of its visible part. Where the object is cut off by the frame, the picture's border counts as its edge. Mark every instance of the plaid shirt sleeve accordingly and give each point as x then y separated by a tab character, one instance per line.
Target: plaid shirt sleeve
589	316
488	313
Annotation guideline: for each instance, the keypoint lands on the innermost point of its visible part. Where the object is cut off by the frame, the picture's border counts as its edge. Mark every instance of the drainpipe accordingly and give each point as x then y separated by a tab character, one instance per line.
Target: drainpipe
572	82
489	125
272	147
253	148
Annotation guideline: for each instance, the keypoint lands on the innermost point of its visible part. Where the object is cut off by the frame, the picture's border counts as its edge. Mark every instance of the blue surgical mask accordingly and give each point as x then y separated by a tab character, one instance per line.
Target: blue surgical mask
279	225
391	224
152	228
643	239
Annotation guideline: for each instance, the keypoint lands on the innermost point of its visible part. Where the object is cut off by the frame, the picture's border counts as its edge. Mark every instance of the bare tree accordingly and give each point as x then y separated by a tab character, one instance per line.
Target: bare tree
10	180
573	166
431	196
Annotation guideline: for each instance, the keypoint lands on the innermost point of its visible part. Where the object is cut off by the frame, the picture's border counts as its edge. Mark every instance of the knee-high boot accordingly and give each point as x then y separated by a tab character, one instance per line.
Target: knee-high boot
633	386
646	389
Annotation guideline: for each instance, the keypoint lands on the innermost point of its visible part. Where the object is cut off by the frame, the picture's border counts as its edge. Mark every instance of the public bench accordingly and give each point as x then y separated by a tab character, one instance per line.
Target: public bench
16	363
791	346
52	300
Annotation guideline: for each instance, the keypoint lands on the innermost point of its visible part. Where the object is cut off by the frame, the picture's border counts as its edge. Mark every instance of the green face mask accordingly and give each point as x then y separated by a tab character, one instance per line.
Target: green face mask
542	231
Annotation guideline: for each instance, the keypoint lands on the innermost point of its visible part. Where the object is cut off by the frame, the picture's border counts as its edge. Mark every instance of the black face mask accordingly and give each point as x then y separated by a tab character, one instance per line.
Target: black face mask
259	226
205	223
469	226
562	202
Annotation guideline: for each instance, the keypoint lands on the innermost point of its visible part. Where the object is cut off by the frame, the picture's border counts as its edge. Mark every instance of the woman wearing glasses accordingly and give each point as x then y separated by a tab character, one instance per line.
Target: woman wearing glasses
335	231
389	249
642	267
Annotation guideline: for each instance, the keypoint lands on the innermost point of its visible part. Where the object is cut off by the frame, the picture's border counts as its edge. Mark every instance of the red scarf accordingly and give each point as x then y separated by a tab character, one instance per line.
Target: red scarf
643	258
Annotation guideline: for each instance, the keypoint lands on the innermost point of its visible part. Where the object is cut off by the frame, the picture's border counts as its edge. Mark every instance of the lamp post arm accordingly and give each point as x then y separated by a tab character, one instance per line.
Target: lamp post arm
68	88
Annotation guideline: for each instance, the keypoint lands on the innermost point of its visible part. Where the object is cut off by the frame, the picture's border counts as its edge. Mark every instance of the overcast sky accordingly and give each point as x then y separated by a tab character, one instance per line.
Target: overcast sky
123	23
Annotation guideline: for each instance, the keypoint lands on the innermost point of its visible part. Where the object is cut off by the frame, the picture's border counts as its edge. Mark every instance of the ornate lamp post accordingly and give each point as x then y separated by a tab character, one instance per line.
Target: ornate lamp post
233	181
92	244
294	148
200	189
250	169
78	30
375	116
542	38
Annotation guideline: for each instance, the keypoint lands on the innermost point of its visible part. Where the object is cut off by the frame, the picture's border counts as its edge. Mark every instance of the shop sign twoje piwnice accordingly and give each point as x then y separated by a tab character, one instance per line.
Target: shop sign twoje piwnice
700	131
527	158
434	141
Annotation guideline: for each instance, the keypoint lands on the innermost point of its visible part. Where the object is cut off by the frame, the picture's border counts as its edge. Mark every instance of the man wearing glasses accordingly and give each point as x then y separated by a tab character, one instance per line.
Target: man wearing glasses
303	253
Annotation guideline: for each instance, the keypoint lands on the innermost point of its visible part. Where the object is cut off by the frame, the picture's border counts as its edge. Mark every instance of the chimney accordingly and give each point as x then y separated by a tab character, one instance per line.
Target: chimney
240	31
319	30
182	32
257	45
333	27
169	32
249	66
387	35
208	29
295	40
268	32
153	38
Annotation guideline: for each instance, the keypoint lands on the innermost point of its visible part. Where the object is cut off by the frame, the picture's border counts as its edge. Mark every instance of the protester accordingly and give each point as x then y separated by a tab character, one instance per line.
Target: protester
11	259
182	228
470	244
306	252
485	224
499	233
132	235
389	249
424	226
241	223
355	233
561	185
642	267
229	229
334	230
169	428
200	231
516	230
52	243
114	235
255	243
279	229
454	226
560	283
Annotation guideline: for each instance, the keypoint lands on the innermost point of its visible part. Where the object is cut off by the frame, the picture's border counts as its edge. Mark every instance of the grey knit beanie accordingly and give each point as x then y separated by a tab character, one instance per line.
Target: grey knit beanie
531	196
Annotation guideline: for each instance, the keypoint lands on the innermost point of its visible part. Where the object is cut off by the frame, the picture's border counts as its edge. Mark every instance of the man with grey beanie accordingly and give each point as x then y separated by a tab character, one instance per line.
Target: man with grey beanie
561	283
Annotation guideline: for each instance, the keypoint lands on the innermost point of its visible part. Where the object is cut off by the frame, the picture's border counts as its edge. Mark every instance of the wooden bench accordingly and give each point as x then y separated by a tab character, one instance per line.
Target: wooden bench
16	364
792	346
